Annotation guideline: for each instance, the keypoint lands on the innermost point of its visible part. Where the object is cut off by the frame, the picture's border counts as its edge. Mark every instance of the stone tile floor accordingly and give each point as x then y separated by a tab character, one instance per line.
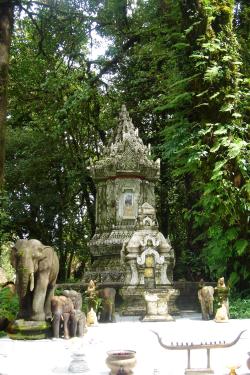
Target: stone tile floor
50	357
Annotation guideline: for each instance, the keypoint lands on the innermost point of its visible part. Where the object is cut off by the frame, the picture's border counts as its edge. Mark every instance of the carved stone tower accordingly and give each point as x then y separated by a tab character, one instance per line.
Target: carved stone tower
125	179
128	249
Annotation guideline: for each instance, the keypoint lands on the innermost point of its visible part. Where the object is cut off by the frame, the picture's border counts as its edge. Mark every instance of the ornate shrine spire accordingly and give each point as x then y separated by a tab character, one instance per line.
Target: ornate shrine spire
125	127
126	154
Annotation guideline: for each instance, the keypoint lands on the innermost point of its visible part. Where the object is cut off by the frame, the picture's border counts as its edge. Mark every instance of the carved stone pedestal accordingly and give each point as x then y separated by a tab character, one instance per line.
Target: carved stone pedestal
29	330
134	300
157	306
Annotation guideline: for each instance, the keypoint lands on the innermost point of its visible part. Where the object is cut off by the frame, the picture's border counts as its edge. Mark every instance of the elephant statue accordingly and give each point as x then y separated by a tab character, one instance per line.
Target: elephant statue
78	319
61	307
36	268
108	304
206	298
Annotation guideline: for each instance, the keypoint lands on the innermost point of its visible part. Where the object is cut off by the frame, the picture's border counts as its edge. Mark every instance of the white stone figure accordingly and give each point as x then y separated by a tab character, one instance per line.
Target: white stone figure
92	318
221	314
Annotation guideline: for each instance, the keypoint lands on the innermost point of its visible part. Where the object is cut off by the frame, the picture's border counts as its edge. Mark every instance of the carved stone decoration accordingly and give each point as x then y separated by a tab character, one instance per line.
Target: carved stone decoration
127	248
125	177
142	258
157	306
148	242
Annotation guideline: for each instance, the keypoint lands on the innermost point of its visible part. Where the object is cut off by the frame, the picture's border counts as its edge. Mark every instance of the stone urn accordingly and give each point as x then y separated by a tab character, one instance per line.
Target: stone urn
121	361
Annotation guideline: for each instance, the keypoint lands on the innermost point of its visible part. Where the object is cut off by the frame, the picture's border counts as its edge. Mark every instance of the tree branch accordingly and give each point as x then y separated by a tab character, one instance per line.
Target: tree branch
117	58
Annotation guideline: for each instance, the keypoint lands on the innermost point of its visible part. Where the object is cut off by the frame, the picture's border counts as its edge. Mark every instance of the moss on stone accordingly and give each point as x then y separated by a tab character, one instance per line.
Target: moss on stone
22	326
29	330
23	336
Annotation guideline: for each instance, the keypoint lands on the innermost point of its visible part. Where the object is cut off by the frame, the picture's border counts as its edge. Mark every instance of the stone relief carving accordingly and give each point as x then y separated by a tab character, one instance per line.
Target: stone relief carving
141	259
148	251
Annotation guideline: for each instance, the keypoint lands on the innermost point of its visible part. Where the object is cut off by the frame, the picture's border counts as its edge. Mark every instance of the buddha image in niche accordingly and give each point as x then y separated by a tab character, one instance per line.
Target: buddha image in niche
128	209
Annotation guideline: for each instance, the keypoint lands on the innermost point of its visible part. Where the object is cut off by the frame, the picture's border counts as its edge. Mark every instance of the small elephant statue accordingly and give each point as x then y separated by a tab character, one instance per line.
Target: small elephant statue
78	321
36	268
61	307
206	298
108	304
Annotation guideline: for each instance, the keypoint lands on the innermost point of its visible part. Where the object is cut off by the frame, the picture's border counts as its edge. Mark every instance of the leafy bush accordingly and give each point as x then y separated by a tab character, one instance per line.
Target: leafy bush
240	308
5	260
9	304
58	292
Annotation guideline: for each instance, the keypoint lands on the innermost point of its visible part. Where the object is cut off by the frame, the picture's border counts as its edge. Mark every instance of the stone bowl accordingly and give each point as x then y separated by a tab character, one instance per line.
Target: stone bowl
121	361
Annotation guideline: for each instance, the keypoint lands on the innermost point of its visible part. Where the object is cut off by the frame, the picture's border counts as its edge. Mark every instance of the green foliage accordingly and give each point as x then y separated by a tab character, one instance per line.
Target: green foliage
53	131
58	291
94	302
239	308
5	233
9	304
5	260
208	145
182	68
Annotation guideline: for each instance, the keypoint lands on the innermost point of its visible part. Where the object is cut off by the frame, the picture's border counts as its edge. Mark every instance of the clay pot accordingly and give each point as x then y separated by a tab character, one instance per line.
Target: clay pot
121	361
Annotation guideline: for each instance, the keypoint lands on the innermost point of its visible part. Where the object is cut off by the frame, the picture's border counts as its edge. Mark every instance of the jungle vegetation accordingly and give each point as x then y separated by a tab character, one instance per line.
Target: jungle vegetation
183	70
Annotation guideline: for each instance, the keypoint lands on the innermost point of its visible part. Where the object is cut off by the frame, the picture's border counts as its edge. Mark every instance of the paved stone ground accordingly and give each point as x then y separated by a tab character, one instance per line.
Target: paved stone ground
47	357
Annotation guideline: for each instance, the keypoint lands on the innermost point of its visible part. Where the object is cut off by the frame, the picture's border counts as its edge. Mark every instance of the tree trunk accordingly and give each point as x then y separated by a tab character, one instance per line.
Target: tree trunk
6	25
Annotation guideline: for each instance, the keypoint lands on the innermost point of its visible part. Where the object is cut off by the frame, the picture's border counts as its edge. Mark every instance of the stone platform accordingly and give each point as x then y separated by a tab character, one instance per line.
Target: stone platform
54	356
157	318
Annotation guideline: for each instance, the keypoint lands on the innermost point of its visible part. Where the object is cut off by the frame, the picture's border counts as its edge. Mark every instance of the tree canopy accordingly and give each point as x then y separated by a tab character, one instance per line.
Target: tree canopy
182	69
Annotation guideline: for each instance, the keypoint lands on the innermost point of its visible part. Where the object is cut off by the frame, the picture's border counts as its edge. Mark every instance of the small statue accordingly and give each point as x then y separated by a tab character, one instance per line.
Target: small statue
108	304
221	297
91	318
63	310
92	295
206	298
91	290
78	318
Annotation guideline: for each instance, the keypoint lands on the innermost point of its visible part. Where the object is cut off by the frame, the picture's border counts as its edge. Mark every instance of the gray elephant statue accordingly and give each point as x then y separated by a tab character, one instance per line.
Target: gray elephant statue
36	268
108	304
62	308
206	298
78	319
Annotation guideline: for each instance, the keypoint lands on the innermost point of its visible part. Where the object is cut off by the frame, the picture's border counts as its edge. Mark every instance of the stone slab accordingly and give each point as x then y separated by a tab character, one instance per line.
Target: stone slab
157	318
199	371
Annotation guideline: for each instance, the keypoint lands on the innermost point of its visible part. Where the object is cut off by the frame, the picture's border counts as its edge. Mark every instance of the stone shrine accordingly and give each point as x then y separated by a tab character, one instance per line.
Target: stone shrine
127	247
